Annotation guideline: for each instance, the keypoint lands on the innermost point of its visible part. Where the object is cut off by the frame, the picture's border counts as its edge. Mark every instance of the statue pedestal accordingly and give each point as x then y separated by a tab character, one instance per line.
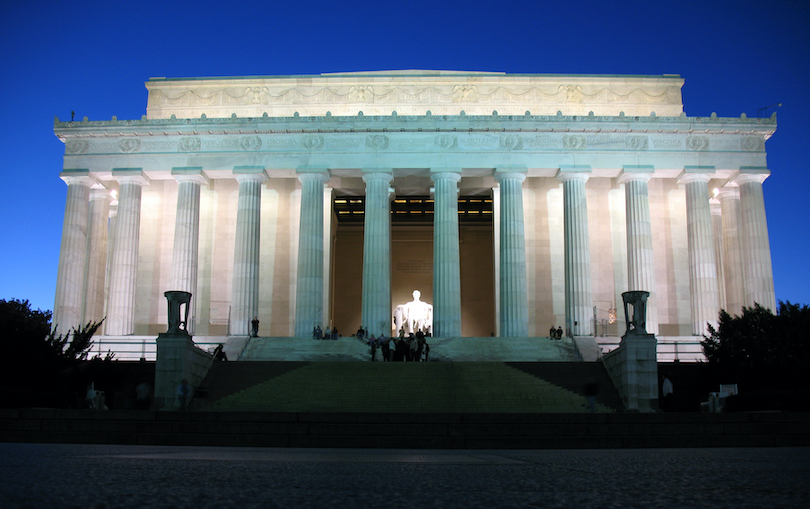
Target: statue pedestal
634	369
178	357
634	365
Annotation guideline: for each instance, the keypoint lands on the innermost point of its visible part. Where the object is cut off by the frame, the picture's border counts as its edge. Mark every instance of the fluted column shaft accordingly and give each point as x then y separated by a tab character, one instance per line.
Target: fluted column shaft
640	260
578	293
717	234
310	285
734	277
96	255
70	282
187	236
702	264
756	247
446	264
376	299
245	289
124	263
110	248
514	300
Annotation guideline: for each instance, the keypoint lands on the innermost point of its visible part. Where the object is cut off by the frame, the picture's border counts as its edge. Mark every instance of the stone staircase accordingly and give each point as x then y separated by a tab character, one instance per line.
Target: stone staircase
363	387
451	349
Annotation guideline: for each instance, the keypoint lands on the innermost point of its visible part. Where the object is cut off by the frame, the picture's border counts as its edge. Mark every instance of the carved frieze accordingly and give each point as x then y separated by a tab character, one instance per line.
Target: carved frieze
465	94
752	144
312	142
189	145
129	145
446	142
377	142
574	142
510	142
477	93
697	143
250	143
636	142
76	147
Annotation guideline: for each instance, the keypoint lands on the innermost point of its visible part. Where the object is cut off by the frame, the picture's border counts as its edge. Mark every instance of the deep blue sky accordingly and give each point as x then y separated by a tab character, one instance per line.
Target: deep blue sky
93	58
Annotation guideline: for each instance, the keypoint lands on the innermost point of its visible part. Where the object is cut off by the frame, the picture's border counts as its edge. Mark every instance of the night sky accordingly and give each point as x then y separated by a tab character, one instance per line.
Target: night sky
93	58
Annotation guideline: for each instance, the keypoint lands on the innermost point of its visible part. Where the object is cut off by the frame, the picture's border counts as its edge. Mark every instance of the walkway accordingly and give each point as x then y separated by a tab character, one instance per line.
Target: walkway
112	477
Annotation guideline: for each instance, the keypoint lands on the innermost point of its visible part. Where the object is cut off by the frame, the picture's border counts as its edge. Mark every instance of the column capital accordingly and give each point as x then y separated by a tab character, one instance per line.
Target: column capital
453	174
635	172
581	172
189	174
686	178
100	193
714	207
510	172
81	177
748	174
313	173
130	176
386	174
249	174
727	192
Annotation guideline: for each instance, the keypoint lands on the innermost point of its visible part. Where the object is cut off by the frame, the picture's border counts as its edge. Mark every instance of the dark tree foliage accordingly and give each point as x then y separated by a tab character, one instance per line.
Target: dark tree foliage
42	364
762	351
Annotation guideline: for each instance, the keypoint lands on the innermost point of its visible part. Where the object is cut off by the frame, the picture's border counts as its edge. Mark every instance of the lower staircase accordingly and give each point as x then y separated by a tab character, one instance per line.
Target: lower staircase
468	387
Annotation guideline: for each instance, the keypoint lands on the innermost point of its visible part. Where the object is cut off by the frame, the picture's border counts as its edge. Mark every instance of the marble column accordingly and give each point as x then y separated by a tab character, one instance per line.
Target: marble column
514	299
732	251
700	238
187	234
70	282
110	248
578	293
717	233
245	288
376	299
124	262
640	259
97	254
309	281
754	239
446	262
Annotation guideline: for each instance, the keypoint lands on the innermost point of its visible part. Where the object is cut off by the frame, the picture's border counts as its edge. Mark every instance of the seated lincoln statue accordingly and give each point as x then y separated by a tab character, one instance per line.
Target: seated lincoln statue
414	316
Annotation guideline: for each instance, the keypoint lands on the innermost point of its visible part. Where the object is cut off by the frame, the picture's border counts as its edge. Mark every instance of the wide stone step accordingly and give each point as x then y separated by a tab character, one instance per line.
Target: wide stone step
411	387
407	430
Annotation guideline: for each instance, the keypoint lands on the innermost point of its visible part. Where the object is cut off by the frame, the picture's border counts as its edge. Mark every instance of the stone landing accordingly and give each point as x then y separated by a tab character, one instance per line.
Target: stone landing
453	349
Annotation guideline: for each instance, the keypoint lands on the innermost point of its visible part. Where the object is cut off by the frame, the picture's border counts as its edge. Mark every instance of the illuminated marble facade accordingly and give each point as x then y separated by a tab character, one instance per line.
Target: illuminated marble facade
225	189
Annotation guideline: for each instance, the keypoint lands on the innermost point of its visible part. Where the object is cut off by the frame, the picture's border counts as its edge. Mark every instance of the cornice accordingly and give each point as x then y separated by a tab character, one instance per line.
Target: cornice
559	123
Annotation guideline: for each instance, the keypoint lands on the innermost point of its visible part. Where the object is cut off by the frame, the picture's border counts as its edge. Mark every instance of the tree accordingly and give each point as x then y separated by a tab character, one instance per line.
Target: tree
44	362
760	350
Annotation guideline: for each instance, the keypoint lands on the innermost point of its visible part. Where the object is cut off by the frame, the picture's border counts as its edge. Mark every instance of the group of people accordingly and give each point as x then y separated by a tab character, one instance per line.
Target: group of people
329	333
413	348
555	333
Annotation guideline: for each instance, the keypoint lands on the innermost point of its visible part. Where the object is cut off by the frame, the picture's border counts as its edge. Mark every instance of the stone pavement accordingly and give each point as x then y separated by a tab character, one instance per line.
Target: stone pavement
113	476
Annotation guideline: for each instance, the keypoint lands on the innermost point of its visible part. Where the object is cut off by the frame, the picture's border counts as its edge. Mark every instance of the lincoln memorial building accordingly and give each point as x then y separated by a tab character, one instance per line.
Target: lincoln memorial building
512	202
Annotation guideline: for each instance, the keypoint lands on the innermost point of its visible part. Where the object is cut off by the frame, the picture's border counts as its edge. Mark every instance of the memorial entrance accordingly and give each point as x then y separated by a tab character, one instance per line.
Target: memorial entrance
412	259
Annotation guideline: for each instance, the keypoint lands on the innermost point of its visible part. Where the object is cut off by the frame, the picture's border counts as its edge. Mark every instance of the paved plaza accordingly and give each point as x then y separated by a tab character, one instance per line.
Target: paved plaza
107	477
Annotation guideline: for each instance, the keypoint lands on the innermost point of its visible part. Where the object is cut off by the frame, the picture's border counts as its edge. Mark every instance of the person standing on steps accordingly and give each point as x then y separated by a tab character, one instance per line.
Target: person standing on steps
591	391
254	330
667	391
372	342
